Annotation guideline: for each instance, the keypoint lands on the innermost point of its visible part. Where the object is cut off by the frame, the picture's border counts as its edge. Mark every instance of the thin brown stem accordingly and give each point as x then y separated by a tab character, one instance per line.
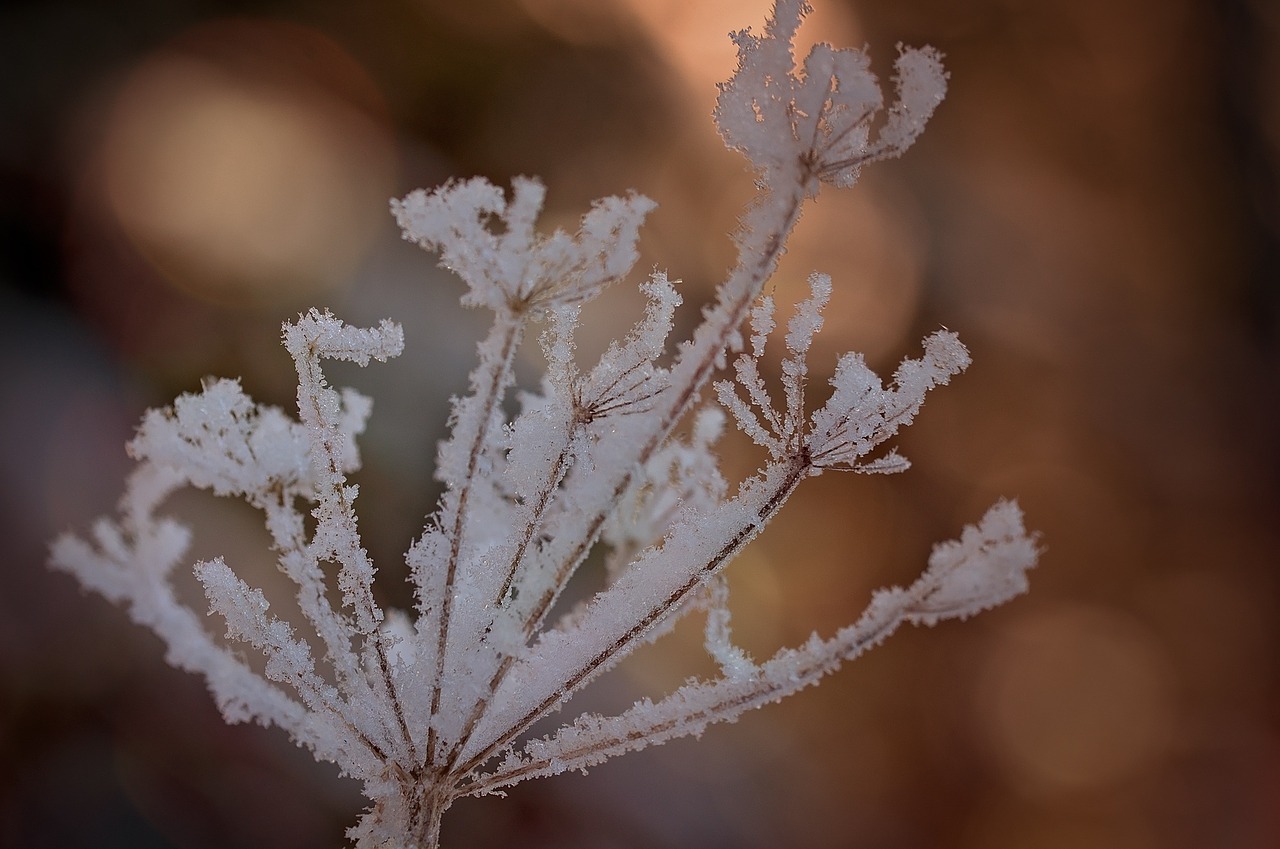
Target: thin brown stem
733	702
510	328
799	469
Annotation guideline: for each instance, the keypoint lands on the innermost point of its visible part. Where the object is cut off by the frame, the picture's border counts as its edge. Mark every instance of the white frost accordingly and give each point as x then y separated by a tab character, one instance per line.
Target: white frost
430	705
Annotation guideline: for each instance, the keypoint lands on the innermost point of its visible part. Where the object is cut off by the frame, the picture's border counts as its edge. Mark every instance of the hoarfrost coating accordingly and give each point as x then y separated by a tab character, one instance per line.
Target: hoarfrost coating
428	705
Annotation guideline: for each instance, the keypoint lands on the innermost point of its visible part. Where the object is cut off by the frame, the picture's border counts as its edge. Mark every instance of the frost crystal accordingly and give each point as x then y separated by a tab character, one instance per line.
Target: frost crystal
429	705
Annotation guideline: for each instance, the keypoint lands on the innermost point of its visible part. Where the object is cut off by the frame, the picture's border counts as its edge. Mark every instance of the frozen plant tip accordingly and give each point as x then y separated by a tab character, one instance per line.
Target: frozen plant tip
429	705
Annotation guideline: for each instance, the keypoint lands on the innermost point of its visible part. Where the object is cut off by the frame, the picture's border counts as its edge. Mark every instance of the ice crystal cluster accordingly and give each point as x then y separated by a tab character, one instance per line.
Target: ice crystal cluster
436	703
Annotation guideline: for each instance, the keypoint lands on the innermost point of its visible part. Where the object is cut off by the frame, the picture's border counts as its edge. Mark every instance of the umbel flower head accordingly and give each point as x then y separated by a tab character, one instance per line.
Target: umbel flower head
427	705
817	119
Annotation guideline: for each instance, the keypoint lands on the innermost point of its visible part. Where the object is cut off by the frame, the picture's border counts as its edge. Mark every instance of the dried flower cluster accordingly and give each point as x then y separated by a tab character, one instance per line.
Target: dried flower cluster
430	705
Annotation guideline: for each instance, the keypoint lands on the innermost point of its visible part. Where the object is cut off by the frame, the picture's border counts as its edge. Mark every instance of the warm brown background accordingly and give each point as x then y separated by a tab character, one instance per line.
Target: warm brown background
1094	209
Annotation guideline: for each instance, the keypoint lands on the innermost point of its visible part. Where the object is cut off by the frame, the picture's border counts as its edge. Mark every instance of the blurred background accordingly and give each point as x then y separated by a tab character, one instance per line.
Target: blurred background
1094	209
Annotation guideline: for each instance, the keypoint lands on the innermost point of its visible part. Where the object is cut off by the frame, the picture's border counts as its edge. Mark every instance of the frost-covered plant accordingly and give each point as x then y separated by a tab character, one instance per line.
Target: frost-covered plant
429	706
